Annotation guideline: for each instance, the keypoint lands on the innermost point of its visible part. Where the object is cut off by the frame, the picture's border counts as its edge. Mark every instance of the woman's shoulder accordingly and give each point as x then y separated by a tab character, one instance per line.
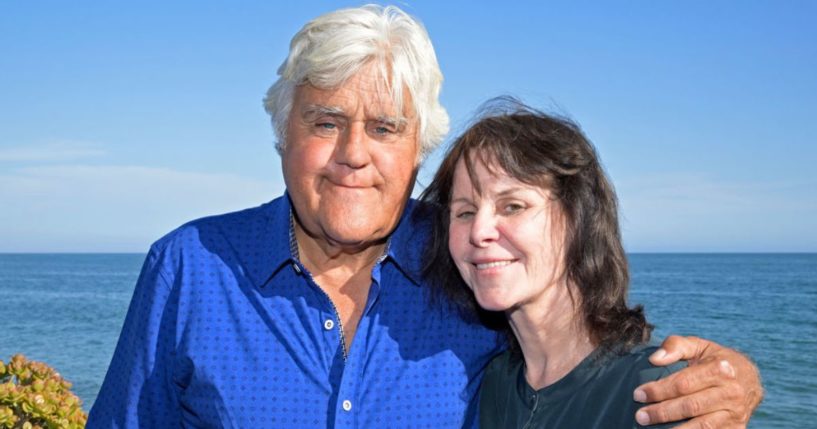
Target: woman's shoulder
611	382
636	362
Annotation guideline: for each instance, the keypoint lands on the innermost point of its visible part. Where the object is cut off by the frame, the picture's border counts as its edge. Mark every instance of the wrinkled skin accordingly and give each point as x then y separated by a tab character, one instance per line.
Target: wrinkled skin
720	386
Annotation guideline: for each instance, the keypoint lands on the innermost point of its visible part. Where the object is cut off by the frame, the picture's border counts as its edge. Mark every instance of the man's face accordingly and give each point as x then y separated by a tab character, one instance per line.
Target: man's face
350	160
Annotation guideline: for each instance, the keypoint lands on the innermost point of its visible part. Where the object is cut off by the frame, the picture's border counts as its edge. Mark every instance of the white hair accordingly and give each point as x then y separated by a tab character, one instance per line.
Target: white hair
333	47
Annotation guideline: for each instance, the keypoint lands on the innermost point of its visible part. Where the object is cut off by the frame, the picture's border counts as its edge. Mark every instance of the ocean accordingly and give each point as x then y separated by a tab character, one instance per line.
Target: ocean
67	310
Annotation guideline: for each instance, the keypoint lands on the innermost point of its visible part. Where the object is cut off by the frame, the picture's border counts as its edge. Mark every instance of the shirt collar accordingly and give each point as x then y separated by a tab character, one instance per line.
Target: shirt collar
572	381
272	246
408	241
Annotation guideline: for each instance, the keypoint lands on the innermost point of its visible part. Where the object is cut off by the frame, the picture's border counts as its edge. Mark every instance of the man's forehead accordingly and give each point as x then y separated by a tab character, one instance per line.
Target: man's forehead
361	93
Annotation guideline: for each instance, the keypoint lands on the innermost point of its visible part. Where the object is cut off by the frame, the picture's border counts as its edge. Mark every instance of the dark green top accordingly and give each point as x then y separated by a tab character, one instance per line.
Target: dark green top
596	394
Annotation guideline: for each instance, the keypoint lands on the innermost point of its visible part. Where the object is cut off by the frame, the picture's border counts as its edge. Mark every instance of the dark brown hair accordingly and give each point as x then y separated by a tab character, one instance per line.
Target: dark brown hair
552	153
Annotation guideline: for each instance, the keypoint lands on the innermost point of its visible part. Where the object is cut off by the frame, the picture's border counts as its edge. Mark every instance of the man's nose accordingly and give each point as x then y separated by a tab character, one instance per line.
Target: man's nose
353	150
484	228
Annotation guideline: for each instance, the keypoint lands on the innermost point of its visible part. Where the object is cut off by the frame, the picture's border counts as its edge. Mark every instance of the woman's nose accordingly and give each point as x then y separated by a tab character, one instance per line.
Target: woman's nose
484	229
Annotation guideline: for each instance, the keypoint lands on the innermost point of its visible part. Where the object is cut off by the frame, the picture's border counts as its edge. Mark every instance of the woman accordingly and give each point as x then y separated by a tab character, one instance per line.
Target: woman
531	224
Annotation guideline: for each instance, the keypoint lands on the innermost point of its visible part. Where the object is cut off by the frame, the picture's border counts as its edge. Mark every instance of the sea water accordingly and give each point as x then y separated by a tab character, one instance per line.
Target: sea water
67	310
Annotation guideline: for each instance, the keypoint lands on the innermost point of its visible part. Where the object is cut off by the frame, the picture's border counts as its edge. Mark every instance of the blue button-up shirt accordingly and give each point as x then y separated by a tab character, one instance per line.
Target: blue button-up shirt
227	329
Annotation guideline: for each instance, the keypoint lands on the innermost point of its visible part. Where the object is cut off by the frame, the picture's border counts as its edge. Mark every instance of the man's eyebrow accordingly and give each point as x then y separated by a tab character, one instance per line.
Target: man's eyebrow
315	110
391	120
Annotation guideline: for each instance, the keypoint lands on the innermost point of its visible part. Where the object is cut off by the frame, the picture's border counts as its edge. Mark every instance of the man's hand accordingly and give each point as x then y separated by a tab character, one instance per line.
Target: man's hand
720	388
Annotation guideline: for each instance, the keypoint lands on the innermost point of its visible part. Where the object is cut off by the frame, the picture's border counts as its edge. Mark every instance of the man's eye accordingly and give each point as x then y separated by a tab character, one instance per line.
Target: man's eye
382	130
326	129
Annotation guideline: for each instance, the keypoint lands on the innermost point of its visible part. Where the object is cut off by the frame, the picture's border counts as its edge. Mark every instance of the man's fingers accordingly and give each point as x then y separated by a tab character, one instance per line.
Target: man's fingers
673	410
692	379
675	348
716	420
705	404
720	385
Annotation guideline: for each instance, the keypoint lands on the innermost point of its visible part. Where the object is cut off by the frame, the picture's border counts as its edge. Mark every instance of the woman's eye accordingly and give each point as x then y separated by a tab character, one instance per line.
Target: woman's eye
465	214
513	208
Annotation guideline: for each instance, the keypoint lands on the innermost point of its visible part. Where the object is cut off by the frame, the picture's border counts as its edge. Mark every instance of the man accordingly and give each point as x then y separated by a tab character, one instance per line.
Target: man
309	311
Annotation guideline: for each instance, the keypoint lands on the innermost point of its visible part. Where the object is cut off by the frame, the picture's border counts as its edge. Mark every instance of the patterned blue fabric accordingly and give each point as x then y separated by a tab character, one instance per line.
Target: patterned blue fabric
227	329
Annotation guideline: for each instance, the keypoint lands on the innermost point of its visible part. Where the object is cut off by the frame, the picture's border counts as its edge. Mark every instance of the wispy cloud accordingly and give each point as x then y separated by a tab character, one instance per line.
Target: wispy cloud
110	207
700	212
698	191
54	151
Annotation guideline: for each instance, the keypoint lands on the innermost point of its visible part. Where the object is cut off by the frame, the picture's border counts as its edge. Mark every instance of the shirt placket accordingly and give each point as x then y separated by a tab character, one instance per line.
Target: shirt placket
347	406
351	407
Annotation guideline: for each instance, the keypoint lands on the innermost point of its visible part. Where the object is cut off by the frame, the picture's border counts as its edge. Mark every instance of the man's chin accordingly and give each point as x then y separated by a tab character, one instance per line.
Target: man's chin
355	235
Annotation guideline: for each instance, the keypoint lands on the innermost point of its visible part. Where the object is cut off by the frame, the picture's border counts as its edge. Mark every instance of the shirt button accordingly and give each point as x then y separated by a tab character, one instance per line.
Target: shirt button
328	324
347	405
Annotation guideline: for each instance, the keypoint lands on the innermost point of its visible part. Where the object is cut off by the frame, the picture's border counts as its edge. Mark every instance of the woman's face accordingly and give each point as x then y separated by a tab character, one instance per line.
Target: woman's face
506	242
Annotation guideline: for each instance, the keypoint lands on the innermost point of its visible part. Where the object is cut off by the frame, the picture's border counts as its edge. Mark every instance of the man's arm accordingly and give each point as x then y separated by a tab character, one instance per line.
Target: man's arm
719	389
138	390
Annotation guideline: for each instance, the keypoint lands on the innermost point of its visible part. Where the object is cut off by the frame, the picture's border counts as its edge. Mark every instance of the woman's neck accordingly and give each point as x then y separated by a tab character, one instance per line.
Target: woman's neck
552	334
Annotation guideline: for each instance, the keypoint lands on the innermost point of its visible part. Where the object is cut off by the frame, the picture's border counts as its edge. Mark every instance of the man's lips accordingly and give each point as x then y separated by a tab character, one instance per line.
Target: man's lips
350	182
350	185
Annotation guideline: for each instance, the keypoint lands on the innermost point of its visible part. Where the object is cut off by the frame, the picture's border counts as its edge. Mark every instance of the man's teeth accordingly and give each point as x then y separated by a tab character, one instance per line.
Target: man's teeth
493	264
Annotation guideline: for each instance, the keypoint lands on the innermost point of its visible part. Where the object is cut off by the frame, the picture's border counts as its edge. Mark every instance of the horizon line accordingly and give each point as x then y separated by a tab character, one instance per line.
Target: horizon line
658	252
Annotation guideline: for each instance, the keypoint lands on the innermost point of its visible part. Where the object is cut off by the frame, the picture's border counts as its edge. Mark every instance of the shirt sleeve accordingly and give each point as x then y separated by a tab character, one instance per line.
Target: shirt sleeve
138	390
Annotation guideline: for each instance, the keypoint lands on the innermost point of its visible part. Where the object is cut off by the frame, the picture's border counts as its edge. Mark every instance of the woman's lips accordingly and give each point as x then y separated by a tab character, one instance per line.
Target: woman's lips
493	264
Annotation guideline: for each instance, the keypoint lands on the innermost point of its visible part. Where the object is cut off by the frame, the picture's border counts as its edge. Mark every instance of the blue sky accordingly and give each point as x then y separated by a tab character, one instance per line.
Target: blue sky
120	121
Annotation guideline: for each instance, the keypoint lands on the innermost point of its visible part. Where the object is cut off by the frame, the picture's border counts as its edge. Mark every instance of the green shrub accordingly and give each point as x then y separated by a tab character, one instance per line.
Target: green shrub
33	395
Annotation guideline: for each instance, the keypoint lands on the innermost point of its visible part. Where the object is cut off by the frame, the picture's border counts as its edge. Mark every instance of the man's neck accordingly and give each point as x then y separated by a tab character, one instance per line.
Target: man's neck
343	273
320	256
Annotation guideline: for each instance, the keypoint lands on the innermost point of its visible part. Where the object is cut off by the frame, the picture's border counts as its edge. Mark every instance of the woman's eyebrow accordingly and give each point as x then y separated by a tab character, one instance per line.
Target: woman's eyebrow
510	191
463	200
